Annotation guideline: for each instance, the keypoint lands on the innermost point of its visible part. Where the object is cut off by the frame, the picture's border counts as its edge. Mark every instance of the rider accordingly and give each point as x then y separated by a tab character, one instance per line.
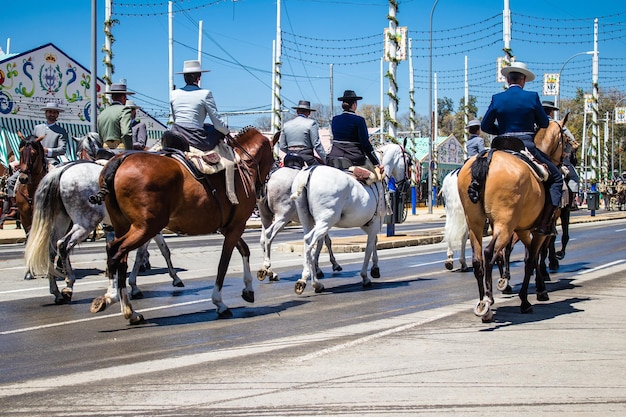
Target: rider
300	135
114	121
569	158
475	144
139	129
515	112
191	105
55	141
350	136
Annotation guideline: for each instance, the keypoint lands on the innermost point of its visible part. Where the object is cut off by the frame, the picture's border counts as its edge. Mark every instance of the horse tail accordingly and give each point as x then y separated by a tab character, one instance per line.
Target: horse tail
47	206
456	225
107	175
300	182
479	171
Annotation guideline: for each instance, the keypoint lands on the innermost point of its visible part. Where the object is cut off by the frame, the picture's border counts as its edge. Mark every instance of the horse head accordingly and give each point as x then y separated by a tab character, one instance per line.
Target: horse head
32	159
87	146
255	150
552	140
395	161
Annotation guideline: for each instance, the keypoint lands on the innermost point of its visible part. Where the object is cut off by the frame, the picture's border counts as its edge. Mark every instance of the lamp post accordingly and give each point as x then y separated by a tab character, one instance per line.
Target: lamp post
430	112
558	96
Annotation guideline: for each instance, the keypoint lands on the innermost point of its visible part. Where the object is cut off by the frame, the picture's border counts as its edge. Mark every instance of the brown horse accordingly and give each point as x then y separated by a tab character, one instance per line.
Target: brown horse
512	198
146	192
33	167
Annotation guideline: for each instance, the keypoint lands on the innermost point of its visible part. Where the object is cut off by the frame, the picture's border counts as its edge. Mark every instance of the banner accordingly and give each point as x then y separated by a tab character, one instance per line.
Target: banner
620	115
588	103
400	53
502	62
550	84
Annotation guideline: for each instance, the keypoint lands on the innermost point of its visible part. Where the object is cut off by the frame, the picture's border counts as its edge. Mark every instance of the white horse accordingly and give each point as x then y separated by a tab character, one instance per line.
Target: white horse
456	231
64	217
276	210
327	197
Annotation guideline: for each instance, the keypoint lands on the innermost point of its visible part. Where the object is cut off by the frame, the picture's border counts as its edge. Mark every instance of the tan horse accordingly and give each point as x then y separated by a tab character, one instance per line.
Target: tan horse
512	198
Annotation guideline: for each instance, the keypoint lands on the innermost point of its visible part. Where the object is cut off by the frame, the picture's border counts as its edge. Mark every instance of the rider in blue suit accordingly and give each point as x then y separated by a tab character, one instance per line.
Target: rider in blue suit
516	112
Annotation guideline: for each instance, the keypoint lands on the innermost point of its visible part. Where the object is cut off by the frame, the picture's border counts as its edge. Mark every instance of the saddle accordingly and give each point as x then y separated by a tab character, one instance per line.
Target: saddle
361	173
515	146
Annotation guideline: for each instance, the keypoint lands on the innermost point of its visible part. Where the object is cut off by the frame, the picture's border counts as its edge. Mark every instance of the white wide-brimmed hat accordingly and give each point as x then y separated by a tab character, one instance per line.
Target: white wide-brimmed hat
52	106
192	66
518	67
471	123
119	88
132	105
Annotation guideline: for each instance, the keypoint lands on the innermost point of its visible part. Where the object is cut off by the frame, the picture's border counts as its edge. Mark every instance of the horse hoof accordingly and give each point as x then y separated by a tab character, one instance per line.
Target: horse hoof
560	254
137	319
300	286
448	265
98	304
261	274
178	283
508	290
59	300
67	296
28	276
320	274
526	308
543	296
502	284
319	289
375	272
465	268
136	295
367	284
337	268
487	318
274	278
226	314
248	296
482	308
554	265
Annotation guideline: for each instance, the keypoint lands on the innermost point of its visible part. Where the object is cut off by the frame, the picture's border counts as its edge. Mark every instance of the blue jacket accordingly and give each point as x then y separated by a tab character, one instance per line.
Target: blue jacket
514	111
350	127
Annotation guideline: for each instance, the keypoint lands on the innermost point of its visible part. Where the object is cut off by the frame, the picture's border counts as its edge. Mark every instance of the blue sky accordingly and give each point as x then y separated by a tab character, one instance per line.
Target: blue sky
238	35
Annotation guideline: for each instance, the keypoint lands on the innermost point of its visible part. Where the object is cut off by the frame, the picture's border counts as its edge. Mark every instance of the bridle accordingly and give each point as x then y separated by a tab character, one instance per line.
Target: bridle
32	159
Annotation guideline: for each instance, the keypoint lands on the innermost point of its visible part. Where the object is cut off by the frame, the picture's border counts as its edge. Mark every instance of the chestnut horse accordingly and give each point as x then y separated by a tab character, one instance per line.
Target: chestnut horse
146	192
33	167
512	198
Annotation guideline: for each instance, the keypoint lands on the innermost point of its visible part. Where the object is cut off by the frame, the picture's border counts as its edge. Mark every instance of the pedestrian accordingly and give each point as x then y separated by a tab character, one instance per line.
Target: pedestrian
55	137
190	107
475	144
350	136
515	112
138	128
300	135
114	121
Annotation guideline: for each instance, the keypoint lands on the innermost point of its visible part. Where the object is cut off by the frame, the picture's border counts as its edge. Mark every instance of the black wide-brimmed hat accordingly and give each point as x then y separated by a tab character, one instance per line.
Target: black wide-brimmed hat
303	105
349	95
546	104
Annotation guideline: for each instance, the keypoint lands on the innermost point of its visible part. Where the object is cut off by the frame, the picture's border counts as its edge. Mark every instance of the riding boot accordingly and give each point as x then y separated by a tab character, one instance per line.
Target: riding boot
546	221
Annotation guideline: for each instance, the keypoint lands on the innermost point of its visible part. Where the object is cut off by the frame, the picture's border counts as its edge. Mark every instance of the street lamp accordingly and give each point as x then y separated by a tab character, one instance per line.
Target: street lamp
558	95
430	112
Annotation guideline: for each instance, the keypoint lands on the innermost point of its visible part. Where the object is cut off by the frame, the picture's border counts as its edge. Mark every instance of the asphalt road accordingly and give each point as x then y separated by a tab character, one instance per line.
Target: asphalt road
58	360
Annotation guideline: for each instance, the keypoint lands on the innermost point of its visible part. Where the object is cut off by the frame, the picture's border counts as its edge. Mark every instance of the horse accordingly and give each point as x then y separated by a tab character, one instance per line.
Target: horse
145	192
276	210
327	197
505	191
455	216
63	217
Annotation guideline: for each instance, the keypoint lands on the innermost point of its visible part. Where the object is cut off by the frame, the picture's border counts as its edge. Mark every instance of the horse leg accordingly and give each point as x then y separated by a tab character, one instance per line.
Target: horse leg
248	291
462	259
449	264
370	252
331	255
311	239
542	269
231	239
267	237
505	273
530	264
117	268
316	256
159	239
135	292
553	262
565	218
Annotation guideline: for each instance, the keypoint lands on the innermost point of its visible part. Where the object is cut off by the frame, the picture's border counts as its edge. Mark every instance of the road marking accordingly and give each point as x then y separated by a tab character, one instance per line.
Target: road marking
597	268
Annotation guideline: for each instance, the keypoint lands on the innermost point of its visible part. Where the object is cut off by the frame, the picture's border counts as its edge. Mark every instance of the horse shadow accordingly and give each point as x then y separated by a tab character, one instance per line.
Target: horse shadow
206	315
510	315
